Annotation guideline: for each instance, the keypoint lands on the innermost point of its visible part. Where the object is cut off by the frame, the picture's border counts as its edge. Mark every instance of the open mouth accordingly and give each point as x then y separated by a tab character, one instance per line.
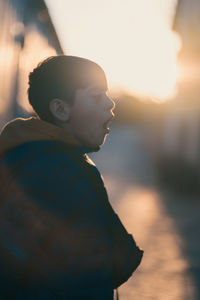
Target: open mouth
107	124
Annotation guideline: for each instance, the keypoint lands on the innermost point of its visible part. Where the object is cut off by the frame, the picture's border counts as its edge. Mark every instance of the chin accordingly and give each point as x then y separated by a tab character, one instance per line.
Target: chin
94	147
97	148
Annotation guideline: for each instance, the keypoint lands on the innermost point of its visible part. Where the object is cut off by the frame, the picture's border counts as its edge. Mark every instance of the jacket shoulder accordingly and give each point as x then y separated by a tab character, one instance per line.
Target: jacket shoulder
47	174
35	156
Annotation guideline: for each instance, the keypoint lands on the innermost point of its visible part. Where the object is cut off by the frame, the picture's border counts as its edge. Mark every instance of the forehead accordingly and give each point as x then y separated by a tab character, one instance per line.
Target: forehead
93	76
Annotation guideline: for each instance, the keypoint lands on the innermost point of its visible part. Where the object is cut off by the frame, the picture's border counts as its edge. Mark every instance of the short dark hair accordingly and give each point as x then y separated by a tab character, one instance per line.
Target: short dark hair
59	77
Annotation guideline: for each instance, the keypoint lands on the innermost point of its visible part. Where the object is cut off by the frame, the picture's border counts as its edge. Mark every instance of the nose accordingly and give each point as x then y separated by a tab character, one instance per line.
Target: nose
110	104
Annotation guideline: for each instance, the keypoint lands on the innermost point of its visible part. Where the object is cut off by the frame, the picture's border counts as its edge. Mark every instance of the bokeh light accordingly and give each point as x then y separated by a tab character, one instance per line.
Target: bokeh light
131	40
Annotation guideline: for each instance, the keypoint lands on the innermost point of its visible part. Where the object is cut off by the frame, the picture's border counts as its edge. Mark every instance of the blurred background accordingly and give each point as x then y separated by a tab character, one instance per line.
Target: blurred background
150	51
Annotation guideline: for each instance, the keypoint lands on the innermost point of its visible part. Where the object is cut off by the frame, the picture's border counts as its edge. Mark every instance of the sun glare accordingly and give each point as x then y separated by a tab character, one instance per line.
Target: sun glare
131	40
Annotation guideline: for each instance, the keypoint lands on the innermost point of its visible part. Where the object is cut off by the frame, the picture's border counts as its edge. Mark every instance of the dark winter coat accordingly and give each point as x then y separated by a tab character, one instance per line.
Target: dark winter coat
55	239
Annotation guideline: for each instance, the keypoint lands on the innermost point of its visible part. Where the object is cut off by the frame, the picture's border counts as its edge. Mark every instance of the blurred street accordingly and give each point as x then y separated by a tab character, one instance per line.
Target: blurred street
165	227
151	59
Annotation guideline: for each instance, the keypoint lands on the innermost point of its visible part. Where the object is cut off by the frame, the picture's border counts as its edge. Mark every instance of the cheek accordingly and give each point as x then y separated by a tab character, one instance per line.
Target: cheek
84	126
86	123
88	120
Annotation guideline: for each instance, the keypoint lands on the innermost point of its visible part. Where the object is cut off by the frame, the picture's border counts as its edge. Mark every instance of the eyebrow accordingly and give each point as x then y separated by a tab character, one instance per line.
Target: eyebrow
95	87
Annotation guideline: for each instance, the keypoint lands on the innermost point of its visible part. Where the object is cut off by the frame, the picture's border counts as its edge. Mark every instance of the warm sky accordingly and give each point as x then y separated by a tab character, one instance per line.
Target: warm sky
130	39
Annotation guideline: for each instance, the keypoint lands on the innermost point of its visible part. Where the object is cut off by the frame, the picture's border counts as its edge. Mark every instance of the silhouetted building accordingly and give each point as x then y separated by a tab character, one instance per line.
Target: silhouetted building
180	141
27	36
182	121
186	116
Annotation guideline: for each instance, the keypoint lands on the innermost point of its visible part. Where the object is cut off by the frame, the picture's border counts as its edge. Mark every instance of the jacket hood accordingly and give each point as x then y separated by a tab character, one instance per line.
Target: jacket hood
19	131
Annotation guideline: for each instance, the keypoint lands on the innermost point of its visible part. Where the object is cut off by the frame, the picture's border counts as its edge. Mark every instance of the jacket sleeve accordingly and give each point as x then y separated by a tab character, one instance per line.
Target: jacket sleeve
126	254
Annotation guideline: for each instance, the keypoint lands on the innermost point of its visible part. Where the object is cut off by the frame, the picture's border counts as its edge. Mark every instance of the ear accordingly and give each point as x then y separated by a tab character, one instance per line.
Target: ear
60	109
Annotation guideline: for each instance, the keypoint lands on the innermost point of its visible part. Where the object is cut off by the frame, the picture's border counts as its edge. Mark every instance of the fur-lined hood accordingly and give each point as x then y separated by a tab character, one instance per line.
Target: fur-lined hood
20	131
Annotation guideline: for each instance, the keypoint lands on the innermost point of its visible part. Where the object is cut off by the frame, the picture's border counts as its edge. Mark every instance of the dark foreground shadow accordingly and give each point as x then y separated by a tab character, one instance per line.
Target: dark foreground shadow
185	212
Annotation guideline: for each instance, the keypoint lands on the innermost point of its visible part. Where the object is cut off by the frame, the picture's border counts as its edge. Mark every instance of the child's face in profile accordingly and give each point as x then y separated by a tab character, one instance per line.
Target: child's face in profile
91	113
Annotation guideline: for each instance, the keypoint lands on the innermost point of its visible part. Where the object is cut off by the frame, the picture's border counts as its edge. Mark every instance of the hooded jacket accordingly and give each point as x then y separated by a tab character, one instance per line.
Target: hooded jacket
55	242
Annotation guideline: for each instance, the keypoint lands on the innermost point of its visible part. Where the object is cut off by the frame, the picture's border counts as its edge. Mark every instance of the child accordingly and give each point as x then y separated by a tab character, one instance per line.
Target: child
60	237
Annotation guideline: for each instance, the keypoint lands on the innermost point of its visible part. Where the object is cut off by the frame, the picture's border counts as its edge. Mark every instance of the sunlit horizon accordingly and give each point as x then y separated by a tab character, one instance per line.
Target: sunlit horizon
131	40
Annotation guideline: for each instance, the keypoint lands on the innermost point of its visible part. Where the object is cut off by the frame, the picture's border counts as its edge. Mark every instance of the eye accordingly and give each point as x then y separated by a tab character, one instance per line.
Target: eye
98	95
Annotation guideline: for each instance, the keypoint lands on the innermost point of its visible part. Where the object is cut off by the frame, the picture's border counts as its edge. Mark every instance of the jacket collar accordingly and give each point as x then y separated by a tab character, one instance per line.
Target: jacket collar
19	131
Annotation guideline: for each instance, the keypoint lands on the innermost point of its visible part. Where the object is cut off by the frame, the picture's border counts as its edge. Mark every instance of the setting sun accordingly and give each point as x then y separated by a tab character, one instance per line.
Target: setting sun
131	40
